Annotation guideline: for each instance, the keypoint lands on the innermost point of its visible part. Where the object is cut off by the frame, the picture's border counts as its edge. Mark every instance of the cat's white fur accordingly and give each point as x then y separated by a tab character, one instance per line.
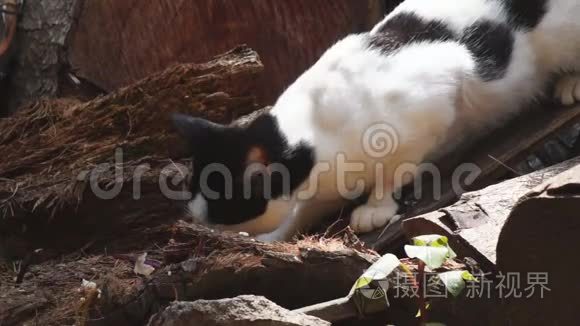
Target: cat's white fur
428	93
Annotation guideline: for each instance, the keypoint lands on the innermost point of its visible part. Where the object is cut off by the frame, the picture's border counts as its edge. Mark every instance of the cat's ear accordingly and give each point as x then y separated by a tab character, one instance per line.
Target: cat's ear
257	154
267	143
264	125
195	131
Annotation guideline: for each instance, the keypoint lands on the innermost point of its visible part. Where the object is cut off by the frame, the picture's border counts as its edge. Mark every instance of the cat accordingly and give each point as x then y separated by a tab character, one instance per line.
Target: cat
428	76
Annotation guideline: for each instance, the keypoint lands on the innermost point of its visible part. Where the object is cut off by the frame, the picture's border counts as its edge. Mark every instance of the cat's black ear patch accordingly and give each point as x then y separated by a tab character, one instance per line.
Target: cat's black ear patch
265	132
264	124
195	131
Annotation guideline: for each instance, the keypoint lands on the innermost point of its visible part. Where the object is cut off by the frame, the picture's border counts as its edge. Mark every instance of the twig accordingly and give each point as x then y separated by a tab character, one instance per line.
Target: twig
332	311
504	165
11	196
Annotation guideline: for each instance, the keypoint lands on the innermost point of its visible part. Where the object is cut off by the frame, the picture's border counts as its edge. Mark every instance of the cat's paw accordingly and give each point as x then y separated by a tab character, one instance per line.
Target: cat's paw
567	89
367	218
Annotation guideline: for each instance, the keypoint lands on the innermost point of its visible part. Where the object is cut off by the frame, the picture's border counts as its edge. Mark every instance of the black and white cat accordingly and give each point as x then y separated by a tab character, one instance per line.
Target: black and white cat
430	74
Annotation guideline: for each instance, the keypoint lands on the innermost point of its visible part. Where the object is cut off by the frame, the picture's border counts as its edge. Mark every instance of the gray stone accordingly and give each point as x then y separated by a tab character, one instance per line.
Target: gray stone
247	310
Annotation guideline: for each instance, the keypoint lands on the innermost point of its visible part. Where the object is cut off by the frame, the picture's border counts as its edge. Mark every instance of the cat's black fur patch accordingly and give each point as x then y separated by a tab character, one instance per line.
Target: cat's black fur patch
212	144
525	13
491	45
407	28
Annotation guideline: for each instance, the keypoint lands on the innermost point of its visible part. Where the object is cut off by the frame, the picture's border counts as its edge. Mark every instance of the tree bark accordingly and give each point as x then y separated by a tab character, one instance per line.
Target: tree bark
63	159
192	262
39	46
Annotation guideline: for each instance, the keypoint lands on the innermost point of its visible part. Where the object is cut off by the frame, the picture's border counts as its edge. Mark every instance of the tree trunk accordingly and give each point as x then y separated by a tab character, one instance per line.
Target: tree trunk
38	60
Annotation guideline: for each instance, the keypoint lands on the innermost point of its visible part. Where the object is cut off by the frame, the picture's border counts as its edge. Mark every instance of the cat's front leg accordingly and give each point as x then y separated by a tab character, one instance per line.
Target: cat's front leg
567	89
304	215
278	235
376	213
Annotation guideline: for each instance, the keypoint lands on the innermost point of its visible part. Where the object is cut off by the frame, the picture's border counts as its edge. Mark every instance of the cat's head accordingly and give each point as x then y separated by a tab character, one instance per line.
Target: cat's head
237	170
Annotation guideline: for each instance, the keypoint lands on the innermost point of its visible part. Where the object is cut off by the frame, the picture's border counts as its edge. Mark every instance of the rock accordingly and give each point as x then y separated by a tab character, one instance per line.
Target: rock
536	249
247	310
474	223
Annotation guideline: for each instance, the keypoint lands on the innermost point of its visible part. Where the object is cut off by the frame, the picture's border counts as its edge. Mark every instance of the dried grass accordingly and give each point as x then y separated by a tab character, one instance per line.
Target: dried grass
49	147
